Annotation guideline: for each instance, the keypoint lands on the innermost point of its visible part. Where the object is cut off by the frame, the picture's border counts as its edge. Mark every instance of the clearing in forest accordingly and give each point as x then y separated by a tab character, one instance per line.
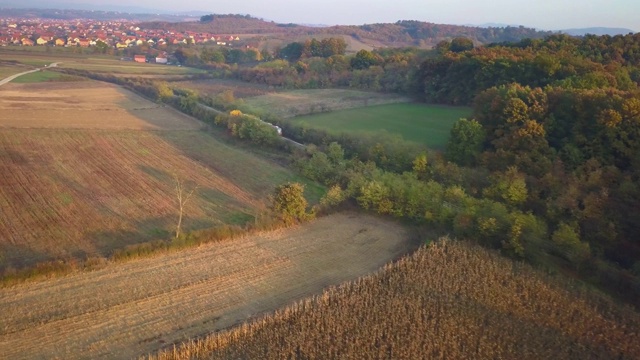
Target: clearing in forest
420	123
288	104
134	308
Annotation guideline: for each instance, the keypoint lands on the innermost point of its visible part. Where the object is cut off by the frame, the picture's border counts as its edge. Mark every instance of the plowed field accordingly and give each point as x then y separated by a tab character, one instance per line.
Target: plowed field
137	307
85	105
87	168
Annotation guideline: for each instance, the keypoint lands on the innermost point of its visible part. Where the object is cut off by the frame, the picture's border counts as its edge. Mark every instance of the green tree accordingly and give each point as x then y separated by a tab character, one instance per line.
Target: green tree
364	59
292	51
290	204
568	242
461	44
420	165
334	197
465	143
509	187
335	153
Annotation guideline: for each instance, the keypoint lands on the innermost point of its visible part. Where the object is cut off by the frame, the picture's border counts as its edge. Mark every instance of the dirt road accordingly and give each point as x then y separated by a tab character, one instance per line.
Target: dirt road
12	77
135	308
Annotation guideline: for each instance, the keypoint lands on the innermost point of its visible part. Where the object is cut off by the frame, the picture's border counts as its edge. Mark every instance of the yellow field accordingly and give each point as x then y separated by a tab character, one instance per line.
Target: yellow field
85	105
135	308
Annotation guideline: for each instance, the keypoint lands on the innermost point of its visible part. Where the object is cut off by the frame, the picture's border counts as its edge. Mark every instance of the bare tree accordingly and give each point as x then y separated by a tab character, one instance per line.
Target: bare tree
183	196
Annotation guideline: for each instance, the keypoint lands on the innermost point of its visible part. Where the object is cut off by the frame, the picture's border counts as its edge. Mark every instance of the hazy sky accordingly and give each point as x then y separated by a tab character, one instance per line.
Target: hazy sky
544	14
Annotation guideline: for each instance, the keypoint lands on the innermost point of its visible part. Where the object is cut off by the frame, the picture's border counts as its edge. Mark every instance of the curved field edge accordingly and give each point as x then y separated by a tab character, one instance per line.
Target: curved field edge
419	123
128	309
447	300
287	104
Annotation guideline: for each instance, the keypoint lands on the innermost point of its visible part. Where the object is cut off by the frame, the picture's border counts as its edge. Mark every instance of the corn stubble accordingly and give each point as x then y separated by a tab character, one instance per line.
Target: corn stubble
448	300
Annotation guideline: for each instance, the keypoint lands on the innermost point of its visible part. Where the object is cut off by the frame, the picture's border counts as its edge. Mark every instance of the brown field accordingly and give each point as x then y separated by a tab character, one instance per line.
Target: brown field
89	178
37	56
8	68
274	41
213	87
135	308
446	301
85	105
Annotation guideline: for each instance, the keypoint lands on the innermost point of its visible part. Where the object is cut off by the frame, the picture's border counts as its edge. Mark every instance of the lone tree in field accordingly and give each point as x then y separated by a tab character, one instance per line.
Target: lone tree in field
183	196
289	203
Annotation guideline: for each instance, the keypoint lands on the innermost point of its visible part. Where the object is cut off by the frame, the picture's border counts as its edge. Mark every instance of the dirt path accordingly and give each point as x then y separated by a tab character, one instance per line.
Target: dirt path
134	308
12	77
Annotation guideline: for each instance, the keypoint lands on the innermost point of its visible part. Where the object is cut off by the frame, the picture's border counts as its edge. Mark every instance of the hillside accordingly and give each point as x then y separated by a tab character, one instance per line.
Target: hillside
449	300
221	24
401	33
597	31
418	33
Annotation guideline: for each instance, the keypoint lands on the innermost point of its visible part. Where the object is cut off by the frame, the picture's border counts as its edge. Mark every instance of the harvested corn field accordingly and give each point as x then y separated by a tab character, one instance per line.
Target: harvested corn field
446	301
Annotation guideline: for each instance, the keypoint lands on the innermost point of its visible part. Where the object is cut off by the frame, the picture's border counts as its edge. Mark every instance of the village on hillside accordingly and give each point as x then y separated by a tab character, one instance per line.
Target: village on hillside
88	33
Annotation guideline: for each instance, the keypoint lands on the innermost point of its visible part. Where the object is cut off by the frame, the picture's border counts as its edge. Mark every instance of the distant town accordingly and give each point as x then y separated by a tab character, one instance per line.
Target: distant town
106	36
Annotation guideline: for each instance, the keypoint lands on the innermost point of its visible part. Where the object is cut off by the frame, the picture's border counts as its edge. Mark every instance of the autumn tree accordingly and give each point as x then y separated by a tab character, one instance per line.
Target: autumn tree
164	91
465	143
290	204
364	59
509	187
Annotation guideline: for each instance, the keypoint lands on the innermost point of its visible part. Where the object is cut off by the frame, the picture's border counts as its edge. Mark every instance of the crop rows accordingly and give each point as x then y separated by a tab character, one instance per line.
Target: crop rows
65	192
136	307
446	301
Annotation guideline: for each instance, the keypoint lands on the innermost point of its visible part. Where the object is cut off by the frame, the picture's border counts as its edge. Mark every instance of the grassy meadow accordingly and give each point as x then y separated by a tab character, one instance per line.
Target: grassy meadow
420	123
39	76
288	104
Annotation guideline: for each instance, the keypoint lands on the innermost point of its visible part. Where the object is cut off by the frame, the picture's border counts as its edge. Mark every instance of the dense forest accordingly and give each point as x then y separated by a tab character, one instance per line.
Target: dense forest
547	169
418	33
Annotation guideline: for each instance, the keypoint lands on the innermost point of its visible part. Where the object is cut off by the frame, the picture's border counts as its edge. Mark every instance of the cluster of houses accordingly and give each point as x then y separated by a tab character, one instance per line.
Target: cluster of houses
86	33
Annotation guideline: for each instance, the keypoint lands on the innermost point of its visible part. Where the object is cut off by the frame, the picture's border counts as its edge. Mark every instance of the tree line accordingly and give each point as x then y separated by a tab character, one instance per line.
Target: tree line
545	170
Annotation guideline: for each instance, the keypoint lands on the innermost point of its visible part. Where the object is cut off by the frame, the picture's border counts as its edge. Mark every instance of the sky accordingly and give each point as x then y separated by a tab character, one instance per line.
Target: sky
541	14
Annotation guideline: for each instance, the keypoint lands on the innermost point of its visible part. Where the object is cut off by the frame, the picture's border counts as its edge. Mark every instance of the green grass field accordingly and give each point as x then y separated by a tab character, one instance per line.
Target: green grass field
38	76
420	123
288	104
126	67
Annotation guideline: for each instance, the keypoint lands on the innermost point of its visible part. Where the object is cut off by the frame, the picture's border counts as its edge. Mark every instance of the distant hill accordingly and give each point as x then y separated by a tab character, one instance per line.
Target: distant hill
401	33
223	24
597	31
425	34
68	14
